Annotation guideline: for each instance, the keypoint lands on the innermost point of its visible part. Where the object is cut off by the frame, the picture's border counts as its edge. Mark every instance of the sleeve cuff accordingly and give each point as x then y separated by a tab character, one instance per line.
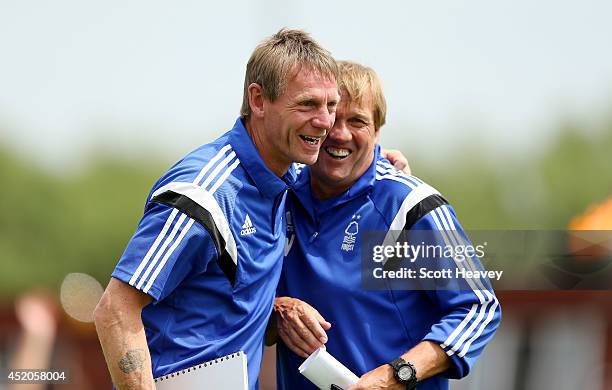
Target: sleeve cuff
125	277
459	367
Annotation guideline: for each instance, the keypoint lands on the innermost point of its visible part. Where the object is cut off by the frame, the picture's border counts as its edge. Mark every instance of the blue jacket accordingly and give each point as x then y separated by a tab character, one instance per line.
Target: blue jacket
373	325
208	250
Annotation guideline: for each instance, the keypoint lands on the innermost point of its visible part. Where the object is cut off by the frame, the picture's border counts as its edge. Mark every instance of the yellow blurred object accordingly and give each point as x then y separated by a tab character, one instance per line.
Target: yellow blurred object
597	217
590	233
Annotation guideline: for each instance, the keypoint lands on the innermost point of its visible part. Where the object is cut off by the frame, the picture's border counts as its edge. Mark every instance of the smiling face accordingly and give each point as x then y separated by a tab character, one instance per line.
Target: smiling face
296	123
348	150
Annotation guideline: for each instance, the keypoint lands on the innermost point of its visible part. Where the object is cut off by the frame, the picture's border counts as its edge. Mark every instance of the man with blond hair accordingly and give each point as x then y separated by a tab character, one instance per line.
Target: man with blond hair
198	278
391	335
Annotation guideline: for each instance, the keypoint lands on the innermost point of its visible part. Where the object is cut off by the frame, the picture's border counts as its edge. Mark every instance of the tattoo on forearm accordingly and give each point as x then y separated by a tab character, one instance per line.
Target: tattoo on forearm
132	360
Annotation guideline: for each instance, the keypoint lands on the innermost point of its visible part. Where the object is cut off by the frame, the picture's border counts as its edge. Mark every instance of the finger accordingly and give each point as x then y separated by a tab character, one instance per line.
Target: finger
313	323
309	341
302	337
398	160
403	166
400	163
296	329
289	340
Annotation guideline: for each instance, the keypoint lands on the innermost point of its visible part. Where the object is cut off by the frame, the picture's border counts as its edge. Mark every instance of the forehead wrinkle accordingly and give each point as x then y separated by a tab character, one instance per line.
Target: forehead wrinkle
356	108
307	95
308	71
314	95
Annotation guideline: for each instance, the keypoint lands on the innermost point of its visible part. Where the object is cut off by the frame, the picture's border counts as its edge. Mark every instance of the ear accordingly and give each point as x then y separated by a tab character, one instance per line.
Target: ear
256	100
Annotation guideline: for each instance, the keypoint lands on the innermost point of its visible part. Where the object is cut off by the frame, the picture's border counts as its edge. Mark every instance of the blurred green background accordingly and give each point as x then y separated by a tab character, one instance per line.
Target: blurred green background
504	107
52	222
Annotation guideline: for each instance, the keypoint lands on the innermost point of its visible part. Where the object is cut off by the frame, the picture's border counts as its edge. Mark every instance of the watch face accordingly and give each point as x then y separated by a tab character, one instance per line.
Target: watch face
404	373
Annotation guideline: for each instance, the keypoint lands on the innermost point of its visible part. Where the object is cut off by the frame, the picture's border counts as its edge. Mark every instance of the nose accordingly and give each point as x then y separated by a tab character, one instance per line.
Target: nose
339	132
324	119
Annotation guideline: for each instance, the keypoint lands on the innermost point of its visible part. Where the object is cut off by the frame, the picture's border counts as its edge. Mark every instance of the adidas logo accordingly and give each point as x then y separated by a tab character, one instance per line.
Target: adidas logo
247	227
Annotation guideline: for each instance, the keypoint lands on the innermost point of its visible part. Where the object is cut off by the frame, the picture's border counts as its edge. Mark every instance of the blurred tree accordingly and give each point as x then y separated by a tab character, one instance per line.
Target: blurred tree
51	225
540	191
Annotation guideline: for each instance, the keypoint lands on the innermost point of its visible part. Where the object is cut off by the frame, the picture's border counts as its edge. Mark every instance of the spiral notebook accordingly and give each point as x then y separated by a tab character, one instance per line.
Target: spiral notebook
227	372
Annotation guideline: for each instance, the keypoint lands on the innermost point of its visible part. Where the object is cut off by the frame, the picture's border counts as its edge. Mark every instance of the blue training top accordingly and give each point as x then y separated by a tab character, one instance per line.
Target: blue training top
323	267
208	250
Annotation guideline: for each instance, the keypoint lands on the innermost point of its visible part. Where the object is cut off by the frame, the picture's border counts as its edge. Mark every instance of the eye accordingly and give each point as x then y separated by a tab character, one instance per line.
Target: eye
309	103
332	106
357	122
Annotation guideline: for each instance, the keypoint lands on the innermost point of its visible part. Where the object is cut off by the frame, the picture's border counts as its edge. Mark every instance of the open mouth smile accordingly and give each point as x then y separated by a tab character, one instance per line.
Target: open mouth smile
310	139
338	153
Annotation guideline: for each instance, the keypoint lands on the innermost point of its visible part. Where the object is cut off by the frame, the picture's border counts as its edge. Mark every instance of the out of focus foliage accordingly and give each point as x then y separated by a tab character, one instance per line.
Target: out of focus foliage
52	224
532	191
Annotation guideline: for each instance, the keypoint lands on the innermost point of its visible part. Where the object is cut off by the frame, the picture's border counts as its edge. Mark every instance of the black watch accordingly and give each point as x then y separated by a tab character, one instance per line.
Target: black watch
405	373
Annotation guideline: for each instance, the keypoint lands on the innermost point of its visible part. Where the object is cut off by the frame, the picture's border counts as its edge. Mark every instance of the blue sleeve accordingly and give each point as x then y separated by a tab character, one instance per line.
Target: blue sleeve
166	248
471	315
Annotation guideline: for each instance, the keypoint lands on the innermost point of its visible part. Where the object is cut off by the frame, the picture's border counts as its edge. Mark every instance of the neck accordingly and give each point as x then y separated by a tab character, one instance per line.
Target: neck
273	159
324	191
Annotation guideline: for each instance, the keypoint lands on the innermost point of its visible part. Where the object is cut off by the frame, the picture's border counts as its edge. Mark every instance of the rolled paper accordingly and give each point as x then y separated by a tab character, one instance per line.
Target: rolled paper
323	370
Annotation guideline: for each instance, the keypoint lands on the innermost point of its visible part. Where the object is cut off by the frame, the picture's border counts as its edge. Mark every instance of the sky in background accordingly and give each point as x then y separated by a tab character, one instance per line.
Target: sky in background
159	78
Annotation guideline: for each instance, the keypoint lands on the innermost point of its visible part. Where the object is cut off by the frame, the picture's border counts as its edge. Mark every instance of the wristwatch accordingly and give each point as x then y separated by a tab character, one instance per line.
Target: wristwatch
405	373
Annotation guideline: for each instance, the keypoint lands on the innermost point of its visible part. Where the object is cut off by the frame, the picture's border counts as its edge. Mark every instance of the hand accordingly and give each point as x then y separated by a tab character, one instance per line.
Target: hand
398	159
37	315
380	378
300	326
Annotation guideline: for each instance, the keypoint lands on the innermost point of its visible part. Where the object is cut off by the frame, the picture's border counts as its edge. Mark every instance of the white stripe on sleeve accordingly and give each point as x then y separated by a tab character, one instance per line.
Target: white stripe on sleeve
490	296
206	200
412	199
161	250
211	163
153	247
224	176
218	169
167	255
480	307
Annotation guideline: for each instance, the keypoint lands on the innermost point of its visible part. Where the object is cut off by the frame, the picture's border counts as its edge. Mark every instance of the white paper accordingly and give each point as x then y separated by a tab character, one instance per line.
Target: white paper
323	370
226	372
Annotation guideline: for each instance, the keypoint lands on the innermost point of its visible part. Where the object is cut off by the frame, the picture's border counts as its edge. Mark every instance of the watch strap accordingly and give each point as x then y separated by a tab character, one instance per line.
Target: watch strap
398	363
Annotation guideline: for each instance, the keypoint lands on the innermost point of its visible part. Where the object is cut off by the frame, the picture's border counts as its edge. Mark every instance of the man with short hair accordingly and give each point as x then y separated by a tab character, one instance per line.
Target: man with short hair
198	278
391	337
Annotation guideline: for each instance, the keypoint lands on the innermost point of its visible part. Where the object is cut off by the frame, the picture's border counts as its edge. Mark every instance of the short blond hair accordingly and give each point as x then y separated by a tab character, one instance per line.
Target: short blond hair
274	58
355	80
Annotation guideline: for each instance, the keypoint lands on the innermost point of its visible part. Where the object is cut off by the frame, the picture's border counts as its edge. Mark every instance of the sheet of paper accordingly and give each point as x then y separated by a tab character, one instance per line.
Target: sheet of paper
323	370
226	372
